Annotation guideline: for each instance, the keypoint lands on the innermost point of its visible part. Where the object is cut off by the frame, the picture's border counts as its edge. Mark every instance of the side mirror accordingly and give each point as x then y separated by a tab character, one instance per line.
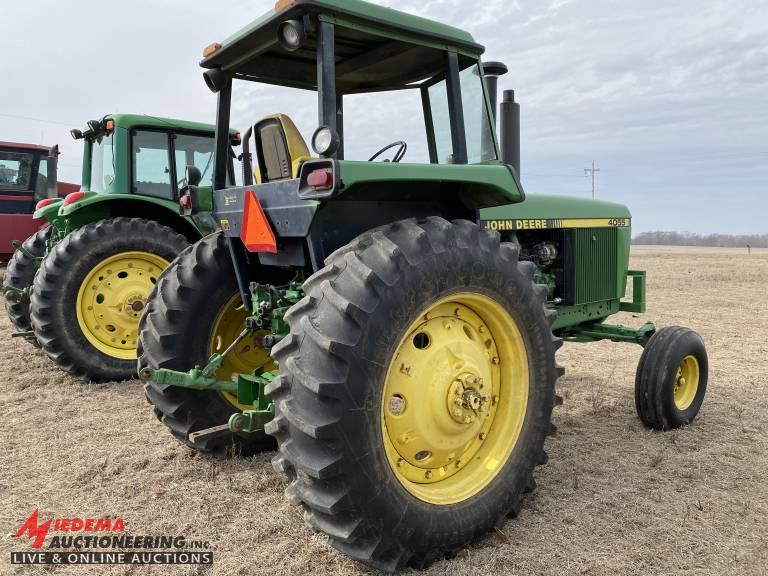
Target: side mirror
193	176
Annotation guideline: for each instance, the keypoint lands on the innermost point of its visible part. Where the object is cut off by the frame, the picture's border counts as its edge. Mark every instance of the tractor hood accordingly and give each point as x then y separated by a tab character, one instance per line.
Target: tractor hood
548	211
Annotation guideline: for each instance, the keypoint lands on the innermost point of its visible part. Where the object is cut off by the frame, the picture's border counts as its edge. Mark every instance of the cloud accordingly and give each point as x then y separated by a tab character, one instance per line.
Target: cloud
667	97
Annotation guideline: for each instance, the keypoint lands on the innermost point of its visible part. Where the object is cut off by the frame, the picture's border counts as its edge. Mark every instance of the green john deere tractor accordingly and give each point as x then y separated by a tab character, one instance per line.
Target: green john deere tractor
78	286
393	326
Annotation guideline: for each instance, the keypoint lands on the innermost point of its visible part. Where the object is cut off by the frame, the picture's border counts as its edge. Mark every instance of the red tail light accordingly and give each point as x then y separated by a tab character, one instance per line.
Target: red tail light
185	203
43	203
321	179
73	197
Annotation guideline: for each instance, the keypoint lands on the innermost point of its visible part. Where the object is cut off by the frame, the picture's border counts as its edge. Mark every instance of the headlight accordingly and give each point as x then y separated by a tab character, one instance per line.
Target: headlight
291	35
325	141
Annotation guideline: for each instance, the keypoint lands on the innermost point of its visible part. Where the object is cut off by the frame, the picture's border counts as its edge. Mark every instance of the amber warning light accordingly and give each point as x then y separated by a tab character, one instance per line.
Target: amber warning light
211	49
281	5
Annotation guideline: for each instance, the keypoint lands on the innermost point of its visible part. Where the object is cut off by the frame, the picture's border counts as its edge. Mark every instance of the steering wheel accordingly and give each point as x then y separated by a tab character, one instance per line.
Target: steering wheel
402	149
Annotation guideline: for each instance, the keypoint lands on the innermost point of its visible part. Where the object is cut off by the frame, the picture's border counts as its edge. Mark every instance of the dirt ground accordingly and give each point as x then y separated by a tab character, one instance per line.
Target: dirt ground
614	499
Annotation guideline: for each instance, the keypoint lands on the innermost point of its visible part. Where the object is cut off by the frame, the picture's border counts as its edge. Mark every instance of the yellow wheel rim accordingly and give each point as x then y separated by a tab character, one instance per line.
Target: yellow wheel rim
455	398
686	382
111	299
246	357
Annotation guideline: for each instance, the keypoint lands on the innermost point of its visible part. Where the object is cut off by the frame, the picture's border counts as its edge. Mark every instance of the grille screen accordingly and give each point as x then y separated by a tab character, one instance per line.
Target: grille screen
595	256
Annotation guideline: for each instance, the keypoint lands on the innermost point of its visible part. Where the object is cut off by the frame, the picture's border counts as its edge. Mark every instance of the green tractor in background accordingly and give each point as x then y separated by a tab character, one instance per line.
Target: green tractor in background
393	326
78	286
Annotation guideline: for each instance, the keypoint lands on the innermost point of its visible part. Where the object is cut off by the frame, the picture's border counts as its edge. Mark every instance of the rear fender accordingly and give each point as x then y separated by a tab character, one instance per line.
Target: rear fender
93	207
48	213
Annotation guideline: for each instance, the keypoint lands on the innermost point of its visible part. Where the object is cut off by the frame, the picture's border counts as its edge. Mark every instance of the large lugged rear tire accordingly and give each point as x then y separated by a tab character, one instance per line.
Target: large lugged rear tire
415	391
194	311
20	274
91	289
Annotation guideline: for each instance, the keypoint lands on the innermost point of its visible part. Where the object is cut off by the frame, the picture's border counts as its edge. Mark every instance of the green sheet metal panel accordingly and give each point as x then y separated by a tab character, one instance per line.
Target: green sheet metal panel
476	185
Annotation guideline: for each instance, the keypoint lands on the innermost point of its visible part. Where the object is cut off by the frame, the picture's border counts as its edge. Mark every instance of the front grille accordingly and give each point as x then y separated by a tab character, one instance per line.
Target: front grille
596	262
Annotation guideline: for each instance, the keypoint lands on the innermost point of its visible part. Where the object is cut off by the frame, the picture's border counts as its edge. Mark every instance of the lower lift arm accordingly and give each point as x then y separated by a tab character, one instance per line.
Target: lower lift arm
269	306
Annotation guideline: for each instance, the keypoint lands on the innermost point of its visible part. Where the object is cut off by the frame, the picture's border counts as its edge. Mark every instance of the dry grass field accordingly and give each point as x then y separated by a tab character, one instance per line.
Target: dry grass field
614	499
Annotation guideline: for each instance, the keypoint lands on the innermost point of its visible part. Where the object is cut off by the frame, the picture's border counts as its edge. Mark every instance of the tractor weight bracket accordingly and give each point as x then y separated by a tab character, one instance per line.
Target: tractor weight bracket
593	332
637	304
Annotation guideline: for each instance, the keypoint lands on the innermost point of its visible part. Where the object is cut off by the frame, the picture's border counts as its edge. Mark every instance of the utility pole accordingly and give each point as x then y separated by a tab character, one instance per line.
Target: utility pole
592	170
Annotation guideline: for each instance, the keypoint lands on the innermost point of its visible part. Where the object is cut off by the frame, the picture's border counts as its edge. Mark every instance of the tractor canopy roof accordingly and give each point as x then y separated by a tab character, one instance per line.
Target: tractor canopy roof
129	121
376	47
23	146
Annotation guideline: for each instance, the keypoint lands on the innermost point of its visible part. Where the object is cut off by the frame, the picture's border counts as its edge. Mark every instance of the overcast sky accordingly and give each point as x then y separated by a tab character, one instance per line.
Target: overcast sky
669	98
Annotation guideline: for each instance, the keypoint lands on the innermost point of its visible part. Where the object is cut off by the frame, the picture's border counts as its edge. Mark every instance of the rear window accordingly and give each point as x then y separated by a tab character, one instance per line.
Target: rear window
192	150
16	170
153	172
152	164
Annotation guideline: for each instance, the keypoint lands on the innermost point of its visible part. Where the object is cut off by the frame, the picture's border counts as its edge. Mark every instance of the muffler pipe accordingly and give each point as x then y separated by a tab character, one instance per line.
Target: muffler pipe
510	131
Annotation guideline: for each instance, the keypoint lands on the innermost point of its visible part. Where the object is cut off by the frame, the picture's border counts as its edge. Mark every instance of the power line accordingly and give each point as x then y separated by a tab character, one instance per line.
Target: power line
592	170
38	120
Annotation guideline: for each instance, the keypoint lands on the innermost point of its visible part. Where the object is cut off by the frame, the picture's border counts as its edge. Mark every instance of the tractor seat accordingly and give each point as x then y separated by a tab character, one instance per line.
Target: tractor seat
279	149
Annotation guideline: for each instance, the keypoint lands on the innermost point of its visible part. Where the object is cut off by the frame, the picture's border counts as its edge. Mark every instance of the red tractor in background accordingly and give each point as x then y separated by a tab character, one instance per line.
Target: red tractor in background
27	176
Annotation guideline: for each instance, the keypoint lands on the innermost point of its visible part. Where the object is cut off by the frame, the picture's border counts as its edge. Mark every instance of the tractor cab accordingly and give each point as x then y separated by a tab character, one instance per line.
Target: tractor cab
126	213
136	166
340	49
145	155
27	176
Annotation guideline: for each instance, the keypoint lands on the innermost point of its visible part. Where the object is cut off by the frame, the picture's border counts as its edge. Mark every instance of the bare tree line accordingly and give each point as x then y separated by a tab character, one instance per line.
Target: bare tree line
690	239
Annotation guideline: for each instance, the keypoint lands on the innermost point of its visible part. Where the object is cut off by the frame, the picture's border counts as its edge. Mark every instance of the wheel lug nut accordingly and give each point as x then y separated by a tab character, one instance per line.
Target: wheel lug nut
481	436
495	360
428	474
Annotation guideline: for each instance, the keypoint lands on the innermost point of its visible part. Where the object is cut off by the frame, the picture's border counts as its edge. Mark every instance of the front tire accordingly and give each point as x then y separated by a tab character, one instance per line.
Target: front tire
20	274
671	378
90	290
415	391
196	310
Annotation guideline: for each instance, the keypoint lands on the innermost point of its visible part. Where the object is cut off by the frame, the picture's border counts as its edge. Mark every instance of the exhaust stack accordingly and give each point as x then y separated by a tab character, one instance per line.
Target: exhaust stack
510	131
